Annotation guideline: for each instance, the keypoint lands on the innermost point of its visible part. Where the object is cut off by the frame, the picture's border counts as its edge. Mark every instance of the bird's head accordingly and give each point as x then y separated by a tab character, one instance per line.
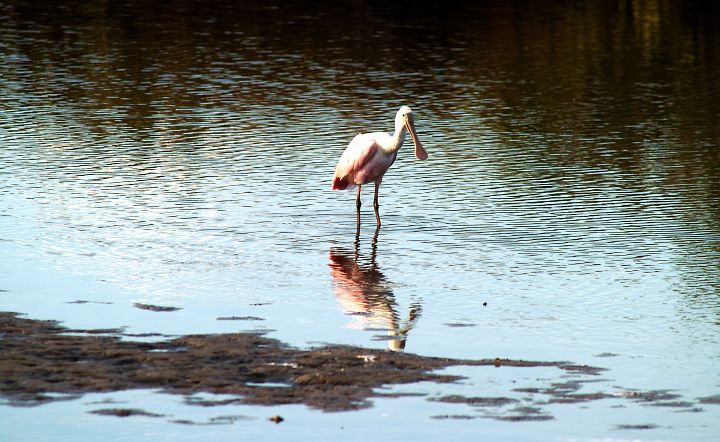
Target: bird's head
404	118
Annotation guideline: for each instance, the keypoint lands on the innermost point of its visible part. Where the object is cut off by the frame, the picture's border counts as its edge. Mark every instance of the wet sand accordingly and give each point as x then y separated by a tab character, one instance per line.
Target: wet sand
42	361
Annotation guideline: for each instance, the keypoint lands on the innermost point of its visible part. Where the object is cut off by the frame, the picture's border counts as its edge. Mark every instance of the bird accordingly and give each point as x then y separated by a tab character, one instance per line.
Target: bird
370	155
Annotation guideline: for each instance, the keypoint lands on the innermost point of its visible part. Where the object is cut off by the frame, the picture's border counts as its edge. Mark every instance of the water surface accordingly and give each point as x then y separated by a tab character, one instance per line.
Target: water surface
180	154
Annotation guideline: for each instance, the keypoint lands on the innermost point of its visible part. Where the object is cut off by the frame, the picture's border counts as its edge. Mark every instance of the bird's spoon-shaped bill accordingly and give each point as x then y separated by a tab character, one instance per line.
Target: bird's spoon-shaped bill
420	153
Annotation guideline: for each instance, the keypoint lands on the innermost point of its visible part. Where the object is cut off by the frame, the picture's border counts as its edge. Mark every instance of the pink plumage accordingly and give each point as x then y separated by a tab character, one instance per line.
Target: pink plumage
370	155
359	164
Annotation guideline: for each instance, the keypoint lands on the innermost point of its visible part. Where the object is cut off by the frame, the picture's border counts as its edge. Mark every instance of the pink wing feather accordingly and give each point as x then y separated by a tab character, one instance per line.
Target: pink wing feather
355	165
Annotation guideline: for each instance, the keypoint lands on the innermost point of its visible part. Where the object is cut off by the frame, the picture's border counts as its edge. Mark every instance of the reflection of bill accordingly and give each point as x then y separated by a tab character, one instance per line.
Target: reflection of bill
364	293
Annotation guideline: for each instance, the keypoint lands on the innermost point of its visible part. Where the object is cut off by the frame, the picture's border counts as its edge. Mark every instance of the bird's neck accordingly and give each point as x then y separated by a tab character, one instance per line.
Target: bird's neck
398	139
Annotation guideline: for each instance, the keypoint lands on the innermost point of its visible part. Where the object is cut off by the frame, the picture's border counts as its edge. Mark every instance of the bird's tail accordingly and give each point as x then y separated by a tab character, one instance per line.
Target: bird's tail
339	183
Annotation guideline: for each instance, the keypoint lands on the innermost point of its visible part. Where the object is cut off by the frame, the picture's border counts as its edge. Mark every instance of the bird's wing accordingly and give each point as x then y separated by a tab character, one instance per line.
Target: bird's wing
361	150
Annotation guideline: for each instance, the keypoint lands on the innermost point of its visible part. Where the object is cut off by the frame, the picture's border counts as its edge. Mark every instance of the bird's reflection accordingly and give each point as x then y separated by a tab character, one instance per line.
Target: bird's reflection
364	292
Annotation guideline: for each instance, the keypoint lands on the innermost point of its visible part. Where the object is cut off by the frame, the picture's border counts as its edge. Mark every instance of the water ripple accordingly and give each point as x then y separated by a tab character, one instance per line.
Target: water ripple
569	203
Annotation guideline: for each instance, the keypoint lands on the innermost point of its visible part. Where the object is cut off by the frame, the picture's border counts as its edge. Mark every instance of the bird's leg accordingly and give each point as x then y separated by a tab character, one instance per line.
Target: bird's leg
376	205
358	203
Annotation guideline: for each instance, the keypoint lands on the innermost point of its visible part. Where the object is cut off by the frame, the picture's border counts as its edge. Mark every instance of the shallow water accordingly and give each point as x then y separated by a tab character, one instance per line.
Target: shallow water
181	155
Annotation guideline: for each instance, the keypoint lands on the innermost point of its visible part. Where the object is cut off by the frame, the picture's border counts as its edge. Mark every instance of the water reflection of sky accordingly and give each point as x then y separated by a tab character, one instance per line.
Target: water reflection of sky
185	159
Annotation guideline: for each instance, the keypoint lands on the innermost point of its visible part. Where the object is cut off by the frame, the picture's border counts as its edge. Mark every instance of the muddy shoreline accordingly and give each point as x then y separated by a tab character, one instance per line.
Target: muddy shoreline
43	361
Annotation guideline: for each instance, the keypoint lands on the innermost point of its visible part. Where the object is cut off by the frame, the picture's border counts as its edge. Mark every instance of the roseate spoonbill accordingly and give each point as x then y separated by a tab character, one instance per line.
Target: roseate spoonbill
370	155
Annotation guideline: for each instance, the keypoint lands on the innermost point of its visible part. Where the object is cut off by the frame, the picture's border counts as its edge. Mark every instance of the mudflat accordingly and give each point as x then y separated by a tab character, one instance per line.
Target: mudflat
43	361
41	357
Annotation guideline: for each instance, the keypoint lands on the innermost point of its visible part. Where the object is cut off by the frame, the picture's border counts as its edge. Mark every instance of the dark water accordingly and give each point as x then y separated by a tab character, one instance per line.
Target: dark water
180	153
